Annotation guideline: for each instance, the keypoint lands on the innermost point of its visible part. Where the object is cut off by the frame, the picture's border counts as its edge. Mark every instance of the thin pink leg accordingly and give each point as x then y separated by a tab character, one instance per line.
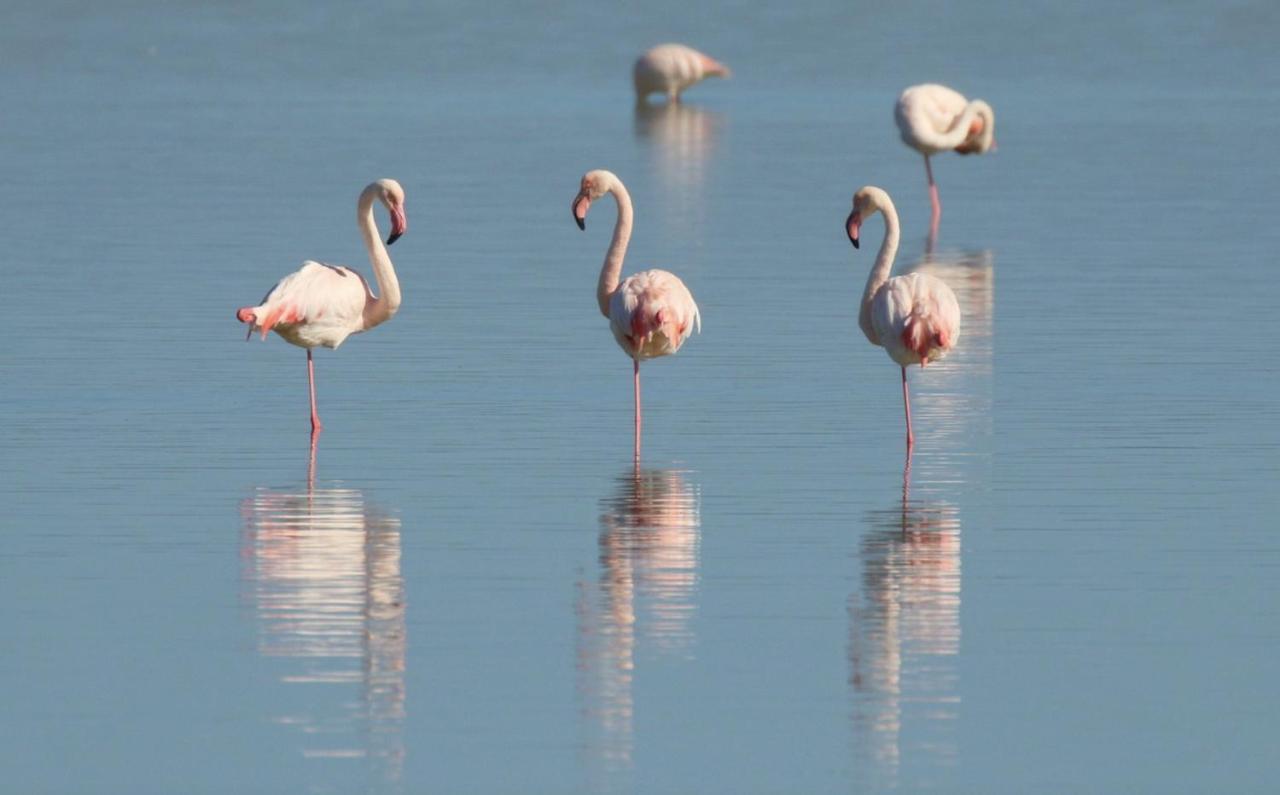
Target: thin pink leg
311	381
933	200
637	387
906	404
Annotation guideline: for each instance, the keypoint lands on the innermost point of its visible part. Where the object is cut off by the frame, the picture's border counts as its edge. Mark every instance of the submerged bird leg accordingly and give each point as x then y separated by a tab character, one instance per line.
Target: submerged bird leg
636	363
906	404
311	382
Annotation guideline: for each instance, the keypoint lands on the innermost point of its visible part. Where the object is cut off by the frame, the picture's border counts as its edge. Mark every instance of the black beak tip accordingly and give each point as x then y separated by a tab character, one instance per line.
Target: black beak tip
582	223
854	241
393	238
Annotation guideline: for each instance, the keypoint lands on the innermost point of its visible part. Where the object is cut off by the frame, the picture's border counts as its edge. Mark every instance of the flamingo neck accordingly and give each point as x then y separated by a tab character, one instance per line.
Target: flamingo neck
880	270
611	271
378	308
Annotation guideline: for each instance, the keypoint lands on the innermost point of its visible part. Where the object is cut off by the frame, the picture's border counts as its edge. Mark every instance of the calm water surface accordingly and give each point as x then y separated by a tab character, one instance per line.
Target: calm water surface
470	588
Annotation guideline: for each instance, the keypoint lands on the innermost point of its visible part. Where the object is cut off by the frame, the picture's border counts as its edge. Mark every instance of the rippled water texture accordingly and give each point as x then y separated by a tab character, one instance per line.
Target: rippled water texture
468	585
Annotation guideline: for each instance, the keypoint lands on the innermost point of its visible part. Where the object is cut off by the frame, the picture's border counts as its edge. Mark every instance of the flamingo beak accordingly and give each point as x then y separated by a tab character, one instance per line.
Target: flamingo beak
852	225
580	207
398	224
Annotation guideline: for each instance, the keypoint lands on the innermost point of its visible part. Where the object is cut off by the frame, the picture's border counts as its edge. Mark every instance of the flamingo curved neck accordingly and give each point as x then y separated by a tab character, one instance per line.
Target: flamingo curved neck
959	132
378	308
880	270
611	271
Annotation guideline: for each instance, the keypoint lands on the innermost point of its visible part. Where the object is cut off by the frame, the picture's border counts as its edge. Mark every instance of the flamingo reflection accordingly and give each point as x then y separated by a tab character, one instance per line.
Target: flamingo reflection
322	569
682	139
904	635
649	539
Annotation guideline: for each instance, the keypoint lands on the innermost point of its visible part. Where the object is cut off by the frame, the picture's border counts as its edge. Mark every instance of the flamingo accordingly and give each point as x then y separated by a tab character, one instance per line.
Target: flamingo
933	118
321	304
671	68
915	317
651	313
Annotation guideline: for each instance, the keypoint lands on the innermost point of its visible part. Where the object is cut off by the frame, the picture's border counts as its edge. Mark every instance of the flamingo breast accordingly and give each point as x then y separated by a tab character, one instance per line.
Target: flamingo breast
652	313
916	318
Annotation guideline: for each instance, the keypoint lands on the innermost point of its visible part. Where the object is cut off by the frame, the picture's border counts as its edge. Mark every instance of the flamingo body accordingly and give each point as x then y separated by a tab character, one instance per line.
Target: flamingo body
669	69
916	318
318	305
652	313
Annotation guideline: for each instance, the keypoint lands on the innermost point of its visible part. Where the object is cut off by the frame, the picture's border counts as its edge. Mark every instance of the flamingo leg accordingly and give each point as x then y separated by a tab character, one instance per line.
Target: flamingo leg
906	404
637	389
311	382
933	200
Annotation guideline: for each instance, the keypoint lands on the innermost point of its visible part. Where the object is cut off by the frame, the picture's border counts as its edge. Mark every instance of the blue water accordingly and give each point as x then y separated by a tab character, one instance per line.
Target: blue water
471	588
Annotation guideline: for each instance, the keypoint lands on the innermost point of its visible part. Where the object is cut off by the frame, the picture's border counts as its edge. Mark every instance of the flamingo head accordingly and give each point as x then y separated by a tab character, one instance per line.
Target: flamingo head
866	202
391	195
594	185
982	131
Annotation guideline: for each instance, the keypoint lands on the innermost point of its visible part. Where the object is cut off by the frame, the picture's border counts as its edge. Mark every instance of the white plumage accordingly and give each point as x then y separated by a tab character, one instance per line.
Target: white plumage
669	69
657	300
318	305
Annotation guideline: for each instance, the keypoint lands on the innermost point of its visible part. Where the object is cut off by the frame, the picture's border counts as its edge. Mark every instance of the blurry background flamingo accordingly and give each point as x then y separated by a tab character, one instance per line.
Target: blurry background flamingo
932	119
669	69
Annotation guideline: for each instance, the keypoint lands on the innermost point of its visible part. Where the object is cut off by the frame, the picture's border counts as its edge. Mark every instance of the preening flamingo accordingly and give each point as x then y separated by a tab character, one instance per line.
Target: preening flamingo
915	317
321	304
671	68
933	118
651	313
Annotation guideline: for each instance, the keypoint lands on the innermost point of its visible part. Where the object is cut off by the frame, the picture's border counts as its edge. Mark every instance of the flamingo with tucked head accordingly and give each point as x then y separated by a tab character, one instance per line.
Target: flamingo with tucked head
671	68
651	313
933	118
914	317
321	305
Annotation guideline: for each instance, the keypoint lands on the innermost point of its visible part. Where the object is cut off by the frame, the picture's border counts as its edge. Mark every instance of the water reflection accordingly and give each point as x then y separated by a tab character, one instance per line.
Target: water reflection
682	139
322	569
904	637
646	595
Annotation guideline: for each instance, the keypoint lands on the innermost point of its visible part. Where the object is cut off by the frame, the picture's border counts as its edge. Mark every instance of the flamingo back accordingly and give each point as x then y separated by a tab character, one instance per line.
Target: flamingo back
926	112
916	318
652	313
671	68
316	305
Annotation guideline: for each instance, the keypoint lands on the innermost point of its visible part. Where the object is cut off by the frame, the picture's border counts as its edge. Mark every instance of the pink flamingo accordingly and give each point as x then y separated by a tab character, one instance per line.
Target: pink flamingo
933	118
915	317
671	68
321	304
651	313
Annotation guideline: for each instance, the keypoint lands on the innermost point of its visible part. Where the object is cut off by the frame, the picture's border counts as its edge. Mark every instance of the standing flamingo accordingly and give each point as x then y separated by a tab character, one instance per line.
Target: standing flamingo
671	68
933	118
915	317
321	304
651	313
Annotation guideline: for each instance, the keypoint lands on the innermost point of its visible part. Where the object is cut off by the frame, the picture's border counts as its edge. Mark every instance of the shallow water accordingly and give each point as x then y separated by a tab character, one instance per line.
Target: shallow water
470	588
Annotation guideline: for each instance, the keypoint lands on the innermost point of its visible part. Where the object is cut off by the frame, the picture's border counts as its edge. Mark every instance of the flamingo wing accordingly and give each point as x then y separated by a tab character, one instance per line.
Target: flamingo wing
654	301
317	304
926	112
